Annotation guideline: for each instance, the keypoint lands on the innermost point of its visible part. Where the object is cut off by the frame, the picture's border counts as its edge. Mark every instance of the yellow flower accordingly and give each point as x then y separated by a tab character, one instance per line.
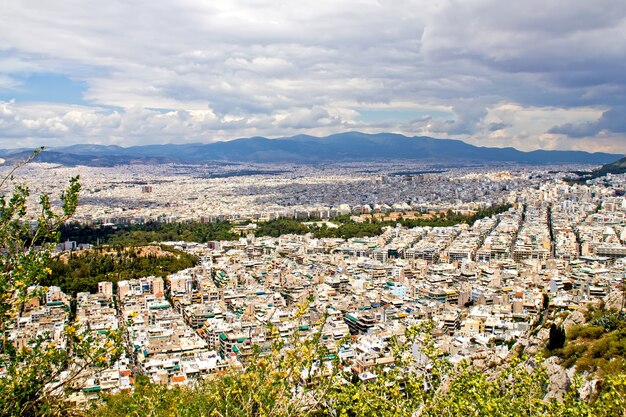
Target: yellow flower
48	271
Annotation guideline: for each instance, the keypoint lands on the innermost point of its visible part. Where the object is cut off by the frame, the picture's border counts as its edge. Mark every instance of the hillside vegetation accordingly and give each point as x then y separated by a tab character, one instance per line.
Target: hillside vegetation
301	380
599	345
82	270
617	167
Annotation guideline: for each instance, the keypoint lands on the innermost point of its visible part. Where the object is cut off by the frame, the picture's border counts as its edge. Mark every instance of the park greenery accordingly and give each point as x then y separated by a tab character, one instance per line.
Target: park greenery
82	270
145	233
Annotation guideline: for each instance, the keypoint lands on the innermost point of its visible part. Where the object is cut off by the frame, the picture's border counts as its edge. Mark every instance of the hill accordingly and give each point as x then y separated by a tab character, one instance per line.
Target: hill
615	168
342	147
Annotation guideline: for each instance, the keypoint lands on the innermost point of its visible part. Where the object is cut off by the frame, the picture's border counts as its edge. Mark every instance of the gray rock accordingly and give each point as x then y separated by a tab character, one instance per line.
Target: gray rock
589	388
558	378
613	301
572	319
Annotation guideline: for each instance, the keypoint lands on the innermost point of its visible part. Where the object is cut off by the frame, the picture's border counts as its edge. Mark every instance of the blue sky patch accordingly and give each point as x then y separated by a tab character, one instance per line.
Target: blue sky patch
45	87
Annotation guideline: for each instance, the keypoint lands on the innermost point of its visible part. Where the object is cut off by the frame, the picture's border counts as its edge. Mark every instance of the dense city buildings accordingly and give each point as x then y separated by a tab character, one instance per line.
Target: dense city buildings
483	285
173	193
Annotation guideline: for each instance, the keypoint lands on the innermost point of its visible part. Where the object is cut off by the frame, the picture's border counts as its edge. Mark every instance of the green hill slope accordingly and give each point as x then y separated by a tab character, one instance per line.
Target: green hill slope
615	168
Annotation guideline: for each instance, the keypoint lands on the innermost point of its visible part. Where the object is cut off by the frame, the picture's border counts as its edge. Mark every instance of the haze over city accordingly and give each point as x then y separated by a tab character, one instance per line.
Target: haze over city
534	74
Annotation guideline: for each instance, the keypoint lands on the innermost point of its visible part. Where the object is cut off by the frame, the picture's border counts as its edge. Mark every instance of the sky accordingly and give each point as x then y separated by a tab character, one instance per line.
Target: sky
533	74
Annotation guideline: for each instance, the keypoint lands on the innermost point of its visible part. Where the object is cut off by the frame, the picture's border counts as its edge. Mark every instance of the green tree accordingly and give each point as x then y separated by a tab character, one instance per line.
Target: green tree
33	378
557	337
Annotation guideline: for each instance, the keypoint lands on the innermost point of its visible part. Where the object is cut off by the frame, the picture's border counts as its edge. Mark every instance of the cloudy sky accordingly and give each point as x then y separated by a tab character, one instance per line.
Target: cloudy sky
531	74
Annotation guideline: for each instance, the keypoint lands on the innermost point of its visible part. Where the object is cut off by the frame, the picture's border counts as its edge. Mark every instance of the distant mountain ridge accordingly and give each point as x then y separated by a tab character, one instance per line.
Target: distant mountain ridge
342	147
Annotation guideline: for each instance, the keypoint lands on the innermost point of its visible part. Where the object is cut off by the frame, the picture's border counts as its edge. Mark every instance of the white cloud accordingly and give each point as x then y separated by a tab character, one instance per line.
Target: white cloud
226	69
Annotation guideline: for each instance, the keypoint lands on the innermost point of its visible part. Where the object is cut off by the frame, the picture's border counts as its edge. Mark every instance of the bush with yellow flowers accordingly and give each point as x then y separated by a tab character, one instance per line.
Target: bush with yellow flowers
35	378
297	378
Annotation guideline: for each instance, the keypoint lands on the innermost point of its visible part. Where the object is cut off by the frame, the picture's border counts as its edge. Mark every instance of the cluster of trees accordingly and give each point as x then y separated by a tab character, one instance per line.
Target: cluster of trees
142	234
348	229
81	271
278	227
616	168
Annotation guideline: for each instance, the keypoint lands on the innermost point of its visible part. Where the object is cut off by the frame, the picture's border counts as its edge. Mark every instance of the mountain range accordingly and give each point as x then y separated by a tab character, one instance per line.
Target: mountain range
342	147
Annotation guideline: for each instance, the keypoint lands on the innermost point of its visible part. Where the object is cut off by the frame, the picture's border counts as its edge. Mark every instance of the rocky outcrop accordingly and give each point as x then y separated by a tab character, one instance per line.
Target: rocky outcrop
572	319
559	378
589	388
537	342
614	300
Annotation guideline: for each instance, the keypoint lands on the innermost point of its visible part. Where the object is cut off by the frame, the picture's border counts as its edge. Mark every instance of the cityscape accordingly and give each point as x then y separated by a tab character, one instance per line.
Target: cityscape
483	285
389	208
181	193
